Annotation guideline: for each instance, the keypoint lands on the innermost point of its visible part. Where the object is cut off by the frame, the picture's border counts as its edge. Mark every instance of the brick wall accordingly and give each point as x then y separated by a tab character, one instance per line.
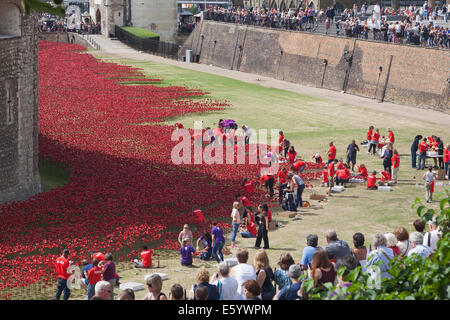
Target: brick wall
418	76
19	172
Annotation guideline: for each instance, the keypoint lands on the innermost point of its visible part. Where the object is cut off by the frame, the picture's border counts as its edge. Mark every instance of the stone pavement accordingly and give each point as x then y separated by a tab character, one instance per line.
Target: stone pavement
114	48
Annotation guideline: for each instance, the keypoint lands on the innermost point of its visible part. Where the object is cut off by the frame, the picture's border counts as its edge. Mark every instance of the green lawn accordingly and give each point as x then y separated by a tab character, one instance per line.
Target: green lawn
141	33
309	124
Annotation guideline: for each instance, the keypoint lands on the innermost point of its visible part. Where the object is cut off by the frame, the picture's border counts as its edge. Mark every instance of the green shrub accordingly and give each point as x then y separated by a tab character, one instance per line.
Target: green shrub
141	33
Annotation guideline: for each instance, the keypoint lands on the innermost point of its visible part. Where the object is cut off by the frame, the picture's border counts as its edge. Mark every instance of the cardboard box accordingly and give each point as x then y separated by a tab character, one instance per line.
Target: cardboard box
287	214
337	189
317	197
440	174
272	226
384	188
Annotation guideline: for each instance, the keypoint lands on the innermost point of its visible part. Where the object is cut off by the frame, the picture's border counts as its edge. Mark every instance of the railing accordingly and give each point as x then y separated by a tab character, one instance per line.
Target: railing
156	47
337	27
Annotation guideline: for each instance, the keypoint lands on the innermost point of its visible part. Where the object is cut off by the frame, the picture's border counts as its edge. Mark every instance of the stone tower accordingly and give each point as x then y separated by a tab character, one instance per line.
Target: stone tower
159	16
19	171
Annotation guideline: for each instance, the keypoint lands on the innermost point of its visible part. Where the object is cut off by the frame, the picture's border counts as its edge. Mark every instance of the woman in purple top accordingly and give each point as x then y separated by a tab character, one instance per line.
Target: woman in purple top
218	242
186	253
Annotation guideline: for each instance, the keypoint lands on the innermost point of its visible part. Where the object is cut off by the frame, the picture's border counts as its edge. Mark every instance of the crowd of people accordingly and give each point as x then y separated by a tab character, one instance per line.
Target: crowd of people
258	280
50	23
261	280
413	25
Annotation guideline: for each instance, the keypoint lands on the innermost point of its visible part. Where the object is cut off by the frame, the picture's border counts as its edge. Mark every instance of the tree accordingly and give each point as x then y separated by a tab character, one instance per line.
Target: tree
55	7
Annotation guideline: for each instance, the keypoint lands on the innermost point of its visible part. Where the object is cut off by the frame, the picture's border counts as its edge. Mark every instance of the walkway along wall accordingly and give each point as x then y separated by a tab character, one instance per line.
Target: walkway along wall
397	73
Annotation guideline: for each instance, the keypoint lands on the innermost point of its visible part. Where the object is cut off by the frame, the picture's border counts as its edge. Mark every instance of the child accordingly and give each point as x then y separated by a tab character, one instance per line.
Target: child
292	154
186	252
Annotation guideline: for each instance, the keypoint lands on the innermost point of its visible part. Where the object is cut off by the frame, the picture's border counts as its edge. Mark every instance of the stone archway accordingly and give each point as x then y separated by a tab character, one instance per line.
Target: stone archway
98	17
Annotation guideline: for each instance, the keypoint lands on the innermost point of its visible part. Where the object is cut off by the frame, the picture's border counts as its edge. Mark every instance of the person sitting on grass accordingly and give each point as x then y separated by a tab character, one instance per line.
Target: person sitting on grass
343	175
186	252
146	256
252	290
207	245
248	229
362	171
372	181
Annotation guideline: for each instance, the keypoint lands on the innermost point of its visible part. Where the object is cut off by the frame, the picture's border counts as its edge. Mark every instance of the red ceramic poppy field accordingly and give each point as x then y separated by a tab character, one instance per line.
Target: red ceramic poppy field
123	189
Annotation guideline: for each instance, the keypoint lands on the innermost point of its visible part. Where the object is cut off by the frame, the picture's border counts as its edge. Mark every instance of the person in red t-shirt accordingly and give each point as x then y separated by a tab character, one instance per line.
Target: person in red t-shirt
331	175
248	185
146	256
299	166
199	218
422	148
391	137
342	175
395	166
331	152
369	135
292	154
317	158
385	176
282	183
446	160
244	203
250	231
325	177
340	164
268	181
280	138
62	263
362	171
94	276
375	140
372	181
99	256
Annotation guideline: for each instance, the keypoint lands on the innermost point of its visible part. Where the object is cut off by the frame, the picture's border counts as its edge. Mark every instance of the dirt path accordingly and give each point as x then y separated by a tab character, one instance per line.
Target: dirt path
114	48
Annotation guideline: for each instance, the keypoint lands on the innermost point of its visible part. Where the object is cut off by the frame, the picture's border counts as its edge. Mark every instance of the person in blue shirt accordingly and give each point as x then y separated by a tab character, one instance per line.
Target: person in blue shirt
311	242
381	253
86	266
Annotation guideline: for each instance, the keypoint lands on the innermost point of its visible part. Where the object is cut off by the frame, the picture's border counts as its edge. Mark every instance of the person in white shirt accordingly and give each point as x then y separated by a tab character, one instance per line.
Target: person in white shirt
243	271
431	238
416	240
227	285
236	221
429	178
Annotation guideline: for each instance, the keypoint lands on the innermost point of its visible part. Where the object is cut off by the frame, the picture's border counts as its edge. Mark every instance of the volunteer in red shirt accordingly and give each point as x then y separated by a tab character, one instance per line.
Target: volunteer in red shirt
317	158
362	171
282	183
375	140
94	276
395	165
198	215
268	181
369	134
340	164
62	263
325	176
280	138
385	176
292	154
372	181
391	137
299	166
244	203
422	148
342	175
146	255
331	173
331	152
251	230
99	256
248	185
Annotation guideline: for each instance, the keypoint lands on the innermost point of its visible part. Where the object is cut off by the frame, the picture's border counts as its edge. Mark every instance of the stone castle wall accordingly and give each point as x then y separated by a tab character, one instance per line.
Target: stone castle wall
19	171
417	76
